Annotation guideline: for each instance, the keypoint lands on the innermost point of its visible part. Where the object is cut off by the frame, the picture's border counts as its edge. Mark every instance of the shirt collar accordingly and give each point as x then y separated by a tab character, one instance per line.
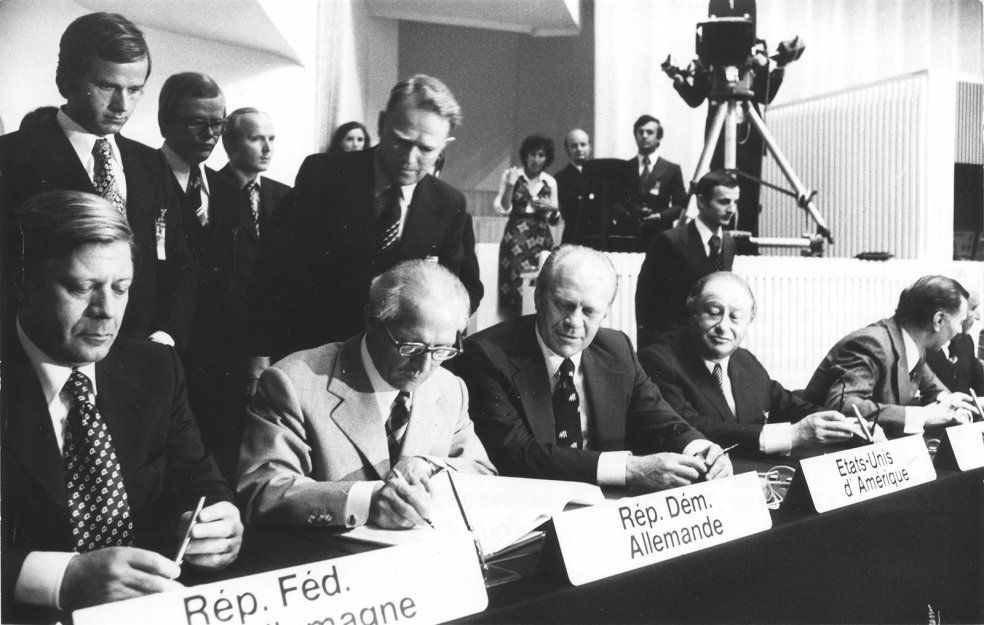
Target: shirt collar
382	181
553	359
82	140
382	392
723	362
52	375
182	170
912	353
705	232
244	178
652	158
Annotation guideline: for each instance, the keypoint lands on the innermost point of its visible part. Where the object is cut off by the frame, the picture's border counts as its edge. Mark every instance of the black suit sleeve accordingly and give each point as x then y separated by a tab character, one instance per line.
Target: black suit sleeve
678	195
458	254
661	275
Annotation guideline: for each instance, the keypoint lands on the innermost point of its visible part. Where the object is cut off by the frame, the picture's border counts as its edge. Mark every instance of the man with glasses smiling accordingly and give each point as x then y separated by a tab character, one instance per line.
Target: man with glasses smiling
348	433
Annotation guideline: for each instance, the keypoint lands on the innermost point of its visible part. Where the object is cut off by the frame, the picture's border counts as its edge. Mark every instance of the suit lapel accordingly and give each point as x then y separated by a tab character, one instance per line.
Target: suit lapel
708	386
530	374
426	422
61	163
696	256
425	219
904	389
601	375
118	400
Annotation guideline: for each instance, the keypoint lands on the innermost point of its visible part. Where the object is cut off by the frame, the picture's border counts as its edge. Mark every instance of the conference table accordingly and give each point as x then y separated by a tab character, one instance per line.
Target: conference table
887	560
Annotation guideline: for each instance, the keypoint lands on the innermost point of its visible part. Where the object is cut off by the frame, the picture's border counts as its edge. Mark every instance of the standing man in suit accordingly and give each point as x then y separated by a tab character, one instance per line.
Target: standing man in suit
101	455
103	65
351	216
191	116
956	363
571	182
678	258
882	368
349	433
555	396
723	390
656	192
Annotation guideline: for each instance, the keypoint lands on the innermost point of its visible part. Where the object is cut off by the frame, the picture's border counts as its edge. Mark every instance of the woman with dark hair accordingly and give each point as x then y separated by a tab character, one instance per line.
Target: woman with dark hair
349	137
528	195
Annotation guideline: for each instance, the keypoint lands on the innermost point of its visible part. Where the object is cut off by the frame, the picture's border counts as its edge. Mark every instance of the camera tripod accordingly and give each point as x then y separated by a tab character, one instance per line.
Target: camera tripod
726	119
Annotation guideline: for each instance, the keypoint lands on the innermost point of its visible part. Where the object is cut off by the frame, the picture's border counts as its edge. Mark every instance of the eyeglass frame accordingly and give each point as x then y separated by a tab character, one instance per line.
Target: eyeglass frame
422	348
198	125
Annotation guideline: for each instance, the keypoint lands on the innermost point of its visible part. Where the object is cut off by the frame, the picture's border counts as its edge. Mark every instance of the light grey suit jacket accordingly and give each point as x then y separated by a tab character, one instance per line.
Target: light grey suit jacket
313	431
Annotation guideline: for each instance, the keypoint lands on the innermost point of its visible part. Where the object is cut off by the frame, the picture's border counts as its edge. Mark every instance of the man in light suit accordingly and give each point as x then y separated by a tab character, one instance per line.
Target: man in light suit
676	259
655	185
571	182
103	65
723	390
882	368
555	396
351	216
73	390
349	433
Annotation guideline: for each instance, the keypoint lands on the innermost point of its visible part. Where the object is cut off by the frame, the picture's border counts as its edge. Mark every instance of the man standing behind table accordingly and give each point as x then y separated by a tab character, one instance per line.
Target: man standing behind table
101	455
570	181
882	368
676	259
723	390
103	65
349	433
555	396
351	216
656	190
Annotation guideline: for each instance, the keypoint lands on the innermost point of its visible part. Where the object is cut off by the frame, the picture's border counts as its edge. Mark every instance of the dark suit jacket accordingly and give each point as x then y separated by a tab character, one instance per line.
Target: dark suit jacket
316	259
964	374
511	403
674	263
868	369
679	371
141	395
272	193
668	196
42	159
570	192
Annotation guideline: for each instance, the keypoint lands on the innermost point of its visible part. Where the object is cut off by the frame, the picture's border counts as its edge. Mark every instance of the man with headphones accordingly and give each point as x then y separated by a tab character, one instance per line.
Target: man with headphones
655	185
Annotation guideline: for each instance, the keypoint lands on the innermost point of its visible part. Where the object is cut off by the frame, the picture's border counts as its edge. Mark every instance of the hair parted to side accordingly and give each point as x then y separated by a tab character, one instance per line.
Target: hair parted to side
717	178
394	290
335	146
54	224
697	292
233	131
533	143
180	86
649	119
109	36
920	301
428	93
568	254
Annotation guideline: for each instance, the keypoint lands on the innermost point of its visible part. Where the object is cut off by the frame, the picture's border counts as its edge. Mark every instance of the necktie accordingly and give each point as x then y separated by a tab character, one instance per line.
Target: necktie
565	404
103	178
252	194
715	244
644	176
388	222
719	375
396	424
194	194
97	500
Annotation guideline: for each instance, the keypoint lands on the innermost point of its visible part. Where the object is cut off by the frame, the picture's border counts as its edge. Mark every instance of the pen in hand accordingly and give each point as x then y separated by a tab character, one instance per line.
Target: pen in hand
178	559
400	477
725	451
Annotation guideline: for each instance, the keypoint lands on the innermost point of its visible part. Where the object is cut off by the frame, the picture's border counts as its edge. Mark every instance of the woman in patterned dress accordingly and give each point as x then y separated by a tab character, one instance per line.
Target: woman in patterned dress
528	195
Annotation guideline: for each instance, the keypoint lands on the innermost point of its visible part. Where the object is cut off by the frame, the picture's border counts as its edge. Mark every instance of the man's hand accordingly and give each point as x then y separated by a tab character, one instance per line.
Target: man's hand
416	470
663	470
400	504
943	414
717	462
115	573
216	537
822	428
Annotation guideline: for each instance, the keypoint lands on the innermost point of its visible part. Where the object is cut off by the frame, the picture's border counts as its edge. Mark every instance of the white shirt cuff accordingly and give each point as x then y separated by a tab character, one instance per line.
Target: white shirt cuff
358	502
776	438
611	468
696	447
915	423
40	579
162	337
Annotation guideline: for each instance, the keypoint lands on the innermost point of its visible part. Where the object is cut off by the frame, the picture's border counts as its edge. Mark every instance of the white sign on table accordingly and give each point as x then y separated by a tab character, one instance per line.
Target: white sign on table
602	541
426	582
966	444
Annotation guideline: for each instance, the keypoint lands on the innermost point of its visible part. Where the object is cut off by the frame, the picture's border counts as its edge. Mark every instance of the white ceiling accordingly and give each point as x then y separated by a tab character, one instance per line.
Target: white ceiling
540	18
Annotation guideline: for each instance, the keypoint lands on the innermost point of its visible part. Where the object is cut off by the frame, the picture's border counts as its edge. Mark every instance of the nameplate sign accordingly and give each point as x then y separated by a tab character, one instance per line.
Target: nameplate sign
855	475
634	532
966	443
426	582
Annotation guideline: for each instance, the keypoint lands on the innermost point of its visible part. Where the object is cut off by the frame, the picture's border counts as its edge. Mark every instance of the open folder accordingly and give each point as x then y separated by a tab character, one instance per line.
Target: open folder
502	510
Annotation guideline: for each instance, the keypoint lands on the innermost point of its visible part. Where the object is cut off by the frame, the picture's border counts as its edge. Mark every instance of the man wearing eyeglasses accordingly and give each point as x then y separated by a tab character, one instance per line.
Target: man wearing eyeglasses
191	116
103	65
349	433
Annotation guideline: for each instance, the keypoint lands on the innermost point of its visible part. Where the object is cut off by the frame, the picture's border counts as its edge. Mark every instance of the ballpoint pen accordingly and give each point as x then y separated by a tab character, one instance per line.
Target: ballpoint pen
863	424
468	525
178	559
977	404
400	477
729	448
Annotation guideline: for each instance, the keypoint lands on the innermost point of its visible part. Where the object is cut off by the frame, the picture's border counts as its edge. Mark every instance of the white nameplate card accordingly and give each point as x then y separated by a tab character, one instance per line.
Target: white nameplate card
967	445
602	541
854	475
428	582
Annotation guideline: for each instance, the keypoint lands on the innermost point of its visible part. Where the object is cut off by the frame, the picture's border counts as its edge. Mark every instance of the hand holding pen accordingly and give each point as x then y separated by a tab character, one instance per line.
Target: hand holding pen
400	504
213	536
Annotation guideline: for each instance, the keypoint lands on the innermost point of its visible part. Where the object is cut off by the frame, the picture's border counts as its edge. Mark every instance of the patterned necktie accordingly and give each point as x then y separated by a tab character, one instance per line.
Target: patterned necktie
194	194
644	176
103	178
388	222
719	375
567	418
97	500
396	425
252	194
715	244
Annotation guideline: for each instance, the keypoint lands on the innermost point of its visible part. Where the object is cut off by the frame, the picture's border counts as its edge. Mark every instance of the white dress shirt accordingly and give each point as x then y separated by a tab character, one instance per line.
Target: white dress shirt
83	141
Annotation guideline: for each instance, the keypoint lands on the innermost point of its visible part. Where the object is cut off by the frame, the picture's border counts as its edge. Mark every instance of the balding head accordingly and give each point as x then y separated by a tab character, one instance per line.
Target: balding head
578	146
721	307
